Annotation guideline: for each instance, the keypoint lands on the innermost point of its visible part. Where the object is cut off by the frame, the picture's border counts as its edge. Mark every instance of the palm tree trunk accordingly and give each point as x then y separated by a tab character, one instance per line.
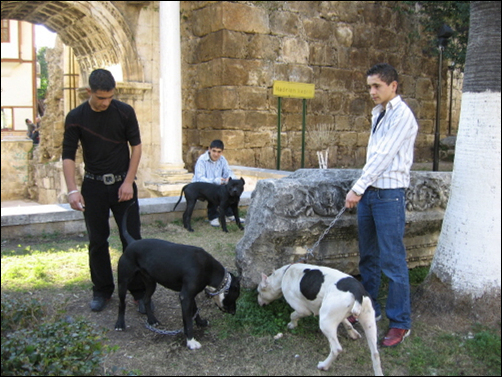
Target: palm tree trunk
465	275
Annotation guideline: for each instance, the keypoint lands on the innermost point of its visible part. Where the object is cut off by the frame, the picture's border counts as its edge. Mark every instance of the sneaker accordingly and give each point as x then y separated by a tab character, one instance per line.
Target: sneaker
99	303
232	218
353	320
215	222
142	307
394	337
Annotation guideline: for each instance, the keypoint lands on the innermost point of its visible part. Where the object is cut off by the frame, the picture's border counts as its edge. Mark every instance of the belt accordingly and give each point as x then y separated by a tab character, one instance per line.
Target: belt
108	179
373	188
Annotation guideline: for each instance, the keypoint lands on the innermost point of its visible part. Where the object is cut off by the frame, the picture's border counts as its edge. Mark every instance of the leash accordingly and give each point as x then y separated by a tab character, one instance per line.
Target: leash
310	251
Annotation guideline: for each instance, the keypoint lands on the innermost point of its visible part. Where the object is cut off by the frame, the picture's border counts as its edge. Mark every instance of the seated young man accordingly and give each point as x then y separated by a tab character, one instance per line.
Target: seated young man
212	167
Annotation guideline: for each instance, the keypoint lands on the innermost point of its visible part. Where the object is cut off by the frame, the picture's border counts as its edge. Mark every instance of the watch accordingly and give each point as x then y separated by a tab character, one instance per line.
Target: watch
357	193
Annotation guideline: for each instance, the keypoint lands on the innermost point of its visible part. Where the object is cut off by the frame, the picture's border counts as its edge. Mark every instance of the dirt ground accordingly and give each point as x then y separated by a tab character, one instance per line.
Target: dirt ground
225	350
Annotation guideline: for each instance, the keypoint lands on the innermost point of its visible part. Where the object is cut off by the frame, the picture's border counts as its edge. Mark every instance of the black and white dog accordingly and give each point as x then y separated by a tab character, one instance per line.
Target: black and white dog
326	292
182	268
222	196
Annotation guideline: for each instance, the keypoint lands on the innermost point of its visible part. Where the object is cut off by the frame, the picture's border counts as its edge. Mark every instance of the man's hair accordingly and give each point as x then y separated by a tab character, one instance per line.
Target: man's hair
101	79
217	144
386	72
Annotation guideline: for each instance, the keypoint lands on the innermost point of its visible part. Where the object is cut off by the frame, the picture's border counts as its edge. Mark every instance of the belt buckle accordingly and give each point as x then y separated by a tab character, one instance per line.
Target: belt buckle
108	179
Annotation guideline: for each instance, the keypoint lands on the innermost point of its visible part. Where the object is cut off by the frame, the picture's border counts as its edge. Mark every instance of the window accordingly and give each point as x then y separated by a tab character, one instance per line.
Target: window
5	31
6	119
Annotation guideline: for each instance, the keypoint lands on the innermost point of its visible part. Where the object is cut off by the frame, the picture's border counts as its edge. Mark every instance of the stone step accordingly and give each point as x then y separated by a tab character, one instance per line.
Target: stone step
165	189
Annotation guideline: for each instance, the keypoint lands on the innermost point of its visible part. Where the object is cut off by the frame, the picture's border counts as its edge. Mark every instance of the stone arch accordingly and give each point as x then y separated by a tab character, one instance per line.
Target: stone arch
96	30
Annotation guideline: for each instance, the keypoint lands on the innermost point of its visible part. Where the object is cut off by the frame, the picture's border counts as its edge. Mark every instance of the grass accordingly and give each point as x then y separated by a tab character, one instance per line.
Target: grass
55	266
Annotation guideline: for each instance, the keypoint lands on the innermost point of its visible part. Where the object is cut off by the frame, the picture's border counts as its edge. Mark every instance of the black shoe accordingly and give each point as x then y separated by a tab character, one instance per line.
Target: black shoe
98	303
141	306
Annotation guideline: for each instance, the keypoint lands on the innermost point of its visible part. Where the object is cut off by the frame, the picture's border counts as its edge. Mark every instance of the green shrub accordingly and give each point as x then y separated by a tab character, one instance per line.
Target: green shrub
35	345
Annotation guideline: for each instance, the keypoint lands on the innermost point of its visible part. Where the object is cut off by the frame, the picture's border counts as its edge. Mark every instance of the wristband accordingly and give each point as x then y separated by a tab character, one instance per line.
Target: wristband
72	192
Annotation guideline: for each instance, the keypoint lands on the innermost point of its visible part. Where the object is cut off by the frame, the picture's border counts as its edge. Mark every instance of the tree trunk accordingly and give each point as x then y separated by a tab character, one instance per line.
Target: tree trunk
465	275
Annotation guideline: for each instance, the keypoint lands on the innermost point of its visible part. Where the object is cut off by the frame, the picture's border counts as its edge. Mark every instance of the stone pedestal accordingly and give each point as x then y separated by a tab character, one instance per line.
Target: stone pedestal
286	217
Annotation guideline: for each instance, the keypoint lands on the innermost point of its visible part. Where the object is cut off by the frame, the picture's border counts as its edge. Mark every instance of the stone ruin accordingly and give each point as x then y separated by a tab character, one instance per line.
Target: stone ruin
287	216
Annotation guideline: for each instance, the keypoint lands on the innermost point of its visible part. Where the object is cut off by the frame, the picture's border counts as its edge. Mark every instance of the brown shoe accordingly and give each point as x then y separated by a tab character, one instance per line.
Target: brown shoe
394	337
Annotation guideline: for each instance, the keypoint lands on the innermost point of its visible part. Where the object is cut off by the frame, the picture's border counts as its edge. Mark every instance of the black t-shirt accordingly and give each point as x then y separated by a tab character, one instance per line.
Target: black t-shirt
104	136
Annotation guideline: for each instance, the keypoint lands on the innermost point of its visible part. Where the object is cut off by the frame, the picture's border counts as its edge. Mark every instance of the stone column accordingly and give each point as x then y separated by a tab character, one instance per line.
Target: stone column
171	175
170	89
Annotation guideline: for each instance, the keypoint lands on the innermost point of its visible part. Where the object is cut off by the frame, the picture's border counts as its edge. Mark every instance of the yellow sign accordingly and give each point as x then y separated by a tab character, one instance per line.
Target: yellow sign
293	89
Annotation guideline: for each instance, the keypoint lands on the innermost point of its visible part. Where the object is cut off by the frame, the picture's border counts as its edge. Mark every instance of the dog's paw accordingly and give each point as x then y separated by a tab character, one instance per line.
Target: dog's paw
193	344
291	325
190	230
119	326
322	366
353	334
241	227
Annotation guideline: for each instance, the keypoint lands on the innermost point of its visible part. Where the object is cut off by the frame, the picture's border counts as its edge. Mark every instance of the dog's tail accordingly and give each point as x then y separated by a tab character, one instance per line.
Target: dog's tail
125	233
181	195
358	305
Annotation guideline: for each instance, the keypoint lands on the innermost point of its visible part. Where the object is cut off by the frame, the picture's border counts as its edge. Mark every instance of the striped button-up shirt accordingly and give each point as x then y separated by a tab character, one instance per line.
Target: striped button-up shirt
207	170
389	154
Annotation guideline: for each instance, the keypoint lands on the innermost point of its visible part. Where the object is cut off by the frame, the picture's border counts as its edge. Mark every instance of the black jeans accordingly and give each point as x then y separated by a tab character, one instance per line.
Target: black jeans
99	200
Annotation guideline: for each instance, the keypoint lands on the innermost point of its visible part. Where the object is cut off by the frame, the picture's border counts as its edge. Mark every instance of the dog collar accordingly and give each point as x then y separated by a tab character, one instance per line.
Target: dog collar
223	287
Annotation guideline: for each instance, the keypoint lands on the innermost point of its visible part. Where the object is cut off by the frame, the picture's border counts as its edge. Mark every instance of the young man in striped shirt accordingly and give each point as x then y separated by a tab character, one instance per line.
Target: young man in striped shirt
212	167
379	195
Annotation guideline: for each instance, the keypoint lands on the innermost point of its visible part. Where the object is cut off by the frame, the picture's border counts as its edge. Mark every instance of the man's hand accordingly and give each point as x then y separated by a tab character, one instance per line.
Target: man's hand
352	199
76	201
126	192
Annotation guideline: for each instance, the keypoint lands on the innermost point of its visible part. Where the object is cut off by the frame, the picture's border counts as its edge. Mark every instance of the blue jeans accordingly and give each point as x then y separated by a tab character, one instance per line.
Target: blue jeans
381	222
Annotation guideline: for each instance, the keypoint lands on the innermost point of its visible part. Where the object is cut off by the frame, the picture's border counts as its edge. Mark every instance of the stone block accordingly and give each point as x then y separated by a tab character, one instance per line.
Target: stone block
425	89
335	79
231	139
263	47
284	23
217	98
253	98
295	50
322	54
222	44
294	72
317	28
287	216
344	35
230	16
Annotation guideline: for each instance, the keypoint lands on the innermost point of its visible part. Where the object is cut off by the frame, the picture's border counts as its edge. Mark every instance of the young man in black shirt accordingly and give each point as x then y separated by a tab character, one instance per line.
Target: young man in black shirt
105	127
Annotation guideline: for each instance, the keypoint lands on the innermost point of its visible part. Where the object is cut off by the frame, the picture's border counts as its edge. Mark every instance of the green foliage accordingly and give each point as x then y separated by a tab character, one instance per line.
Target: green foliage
34	345
433	15
485	346
44	73
270	319
418	275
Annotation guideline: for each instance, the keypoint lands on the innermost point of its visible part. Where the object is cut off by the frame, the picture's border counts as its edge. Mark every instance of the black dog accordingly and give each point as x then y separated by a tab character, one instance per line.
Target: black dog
182	268
224	196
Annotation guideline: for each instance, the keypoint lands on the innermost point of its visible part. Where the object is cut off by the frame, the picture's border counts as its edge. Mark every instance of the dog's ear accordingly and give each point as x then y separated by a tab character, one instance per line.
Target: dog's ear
264	279
243	181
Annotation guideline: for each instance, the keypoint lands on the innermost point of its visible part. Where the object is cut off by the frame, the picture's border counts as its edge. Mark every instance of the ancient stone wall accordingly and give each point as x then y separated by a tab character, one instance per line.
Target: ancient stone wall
287	216
234	51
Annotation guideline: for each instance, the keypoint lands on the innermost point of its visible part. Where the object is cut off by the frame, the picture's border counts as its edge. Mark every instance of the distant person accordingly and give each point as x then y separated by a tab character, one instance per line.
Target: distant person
212	167
105	128
379	195
33	131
